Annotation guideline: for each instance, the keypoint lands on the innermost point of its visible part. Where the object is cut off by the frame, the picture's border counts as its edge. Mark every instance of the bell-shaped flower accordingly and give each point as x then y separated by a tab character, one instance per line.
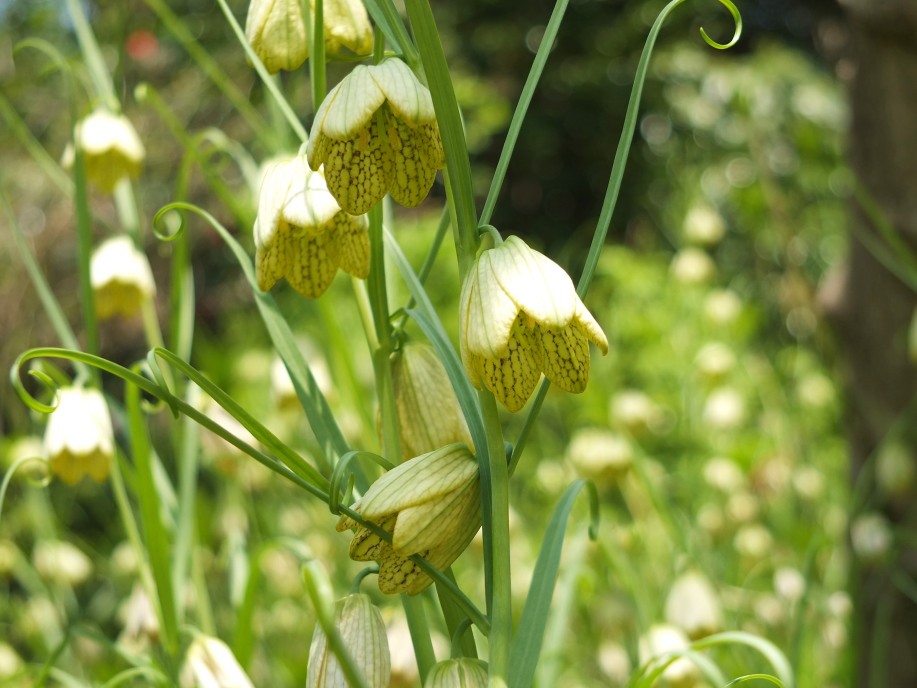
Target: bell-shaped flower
429	415
376	133
463	672
209	662
302	234
79	439
432	507
520	316
276	30
362	633
110	146
121	278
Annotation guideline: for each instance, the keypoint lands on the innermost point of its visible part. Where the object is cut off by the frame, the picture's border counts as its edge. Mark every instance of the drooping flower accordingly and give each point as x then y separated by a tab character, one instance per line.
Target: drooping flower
463	672
302	234
363	634
276	30
110	146
520	316
376	133
79	439
431	505
209	662
121	278
429	415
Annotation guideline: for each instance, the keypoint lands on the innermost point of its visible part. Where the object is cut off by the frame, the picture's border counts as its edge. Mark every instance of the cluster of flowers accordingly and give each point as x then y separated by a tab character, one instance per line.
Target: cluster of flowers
375	134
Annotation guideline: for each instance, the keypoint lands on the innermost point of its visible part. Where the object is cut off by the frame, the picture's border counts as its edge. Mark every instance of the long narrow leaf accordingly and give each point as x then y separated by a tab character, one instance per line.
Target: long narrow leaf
526	646
318	412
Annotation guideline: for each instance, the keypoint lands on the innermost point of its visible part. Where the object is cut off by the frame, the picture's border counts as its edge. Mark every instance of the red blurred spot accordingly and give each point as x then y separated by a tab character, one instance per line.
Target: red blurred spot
142	45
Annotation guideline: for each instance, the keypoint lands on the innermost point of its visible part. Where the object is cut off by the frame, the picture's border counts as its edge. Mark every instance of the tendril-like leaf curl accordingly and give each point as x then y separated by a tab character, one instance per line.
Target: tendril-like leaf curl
736	18
341	473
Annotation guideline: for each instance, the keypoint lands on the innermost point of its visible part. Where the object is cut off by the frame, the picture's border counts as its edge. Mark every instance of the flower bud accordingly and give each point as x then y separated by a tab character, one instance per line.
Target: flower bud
79	439
458	673
429	415
432	507
122	280
692	606
363	635
209	662
111	149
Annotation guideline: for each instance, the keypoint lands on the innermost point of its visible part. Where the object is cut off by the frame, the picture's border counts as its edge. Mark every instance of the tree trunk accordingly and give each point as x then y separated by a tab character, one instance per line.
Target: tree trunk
872	314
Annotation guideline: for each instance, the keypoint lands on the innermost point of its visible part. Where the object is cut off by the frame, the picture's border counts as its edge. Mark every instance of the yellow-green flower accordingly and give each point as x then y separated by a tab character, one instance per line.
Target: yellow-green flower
110	146
432	507
79	440
376	133
121	278
429	415
276	30
363	634
519	317
302	234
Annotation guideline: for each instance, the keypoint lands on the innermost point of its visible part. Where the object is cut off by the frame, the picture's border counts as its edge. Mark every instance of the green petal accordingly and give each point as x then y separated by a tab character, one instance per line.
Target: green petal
420	480
436	524
566	357
512	378
312	262
351	111
359	171
535	283
409	99
413	175
352	236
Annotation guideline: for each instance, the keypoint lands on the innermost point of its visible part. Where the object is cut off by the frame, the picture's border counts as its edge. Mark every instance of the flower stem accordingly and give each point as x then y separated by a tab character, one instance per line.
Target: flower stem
501	610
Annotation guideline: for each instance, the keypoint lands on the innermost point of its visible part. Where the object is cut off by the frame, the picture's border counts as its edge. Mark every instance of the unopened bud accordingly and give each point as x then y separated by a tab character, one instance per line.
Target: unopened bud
362	633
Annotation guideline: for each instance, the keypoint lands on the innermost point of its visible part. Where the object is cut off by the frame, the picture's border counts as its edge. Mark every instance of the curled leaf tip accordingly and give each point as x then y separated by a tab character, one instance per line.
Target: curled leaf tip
736	17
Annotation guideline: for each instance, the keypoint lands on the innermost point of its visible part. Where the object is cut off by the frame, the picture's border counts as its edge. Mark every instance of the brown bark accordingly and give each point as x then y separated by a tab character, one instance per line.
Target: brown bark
873	311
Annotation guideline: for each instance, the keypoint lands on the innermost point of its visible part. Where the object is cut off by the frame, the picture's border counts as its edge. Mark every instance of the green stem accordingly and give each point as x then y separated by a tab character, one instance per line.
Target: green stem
128	214
458	166
420	634
317	72
92	56
501	610
378	298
